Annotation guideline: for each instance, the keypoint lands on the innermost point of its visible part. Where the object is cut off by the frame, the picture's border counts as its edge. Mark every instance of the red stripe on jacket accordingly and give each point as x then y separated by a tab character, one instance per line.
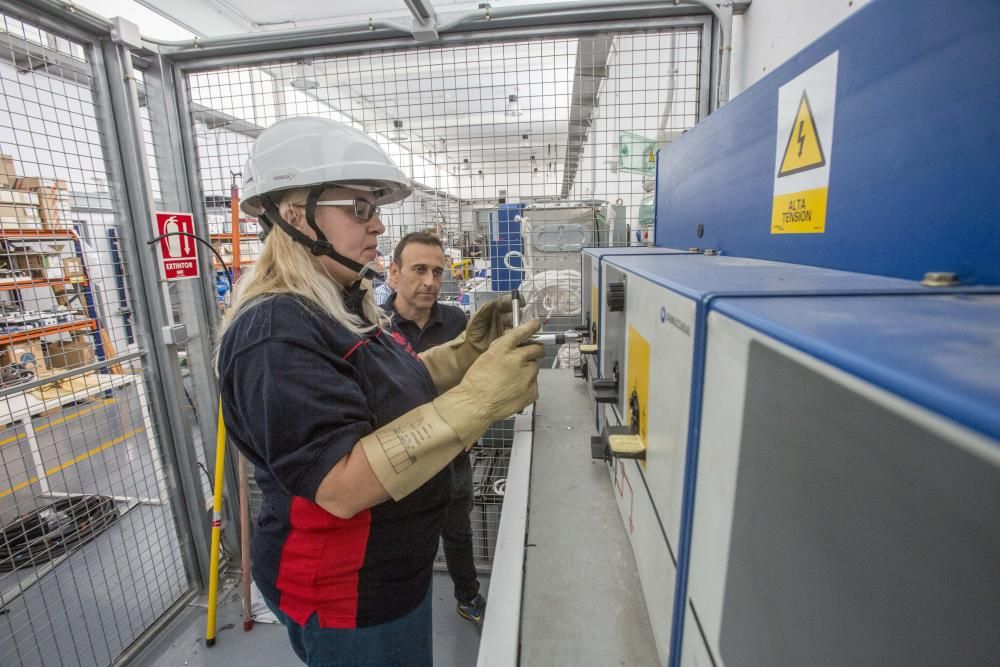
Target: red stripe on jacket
353	349
320	562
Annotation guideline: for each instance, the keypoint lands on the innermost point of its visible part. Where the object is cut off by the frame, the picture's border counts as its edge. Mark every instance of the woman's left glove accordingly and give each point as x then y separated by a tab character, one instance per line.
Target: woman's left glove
448	362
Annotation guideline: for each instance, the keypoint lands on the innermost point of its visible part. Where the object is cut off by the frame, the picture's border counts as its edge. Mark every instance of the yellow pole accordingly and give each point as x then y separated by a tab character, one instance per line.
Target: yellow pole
213	568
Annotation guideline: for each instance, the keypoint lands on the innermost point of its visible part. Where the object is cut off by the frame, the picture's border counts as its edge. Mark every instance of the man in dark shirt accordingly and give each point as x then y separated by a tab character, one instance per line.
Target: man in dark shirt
416	272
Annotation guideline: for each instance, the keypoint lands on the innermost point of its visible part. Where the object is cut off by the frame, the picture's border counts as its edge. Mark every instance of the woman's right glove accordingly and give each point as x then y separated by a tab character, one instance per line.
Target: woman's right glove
413	448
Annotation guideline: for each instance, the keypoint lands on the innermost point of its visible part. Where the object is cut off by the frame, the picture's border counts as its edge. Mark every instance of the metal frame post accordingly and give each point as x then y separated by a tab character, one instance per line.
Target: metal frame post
119	112
196	297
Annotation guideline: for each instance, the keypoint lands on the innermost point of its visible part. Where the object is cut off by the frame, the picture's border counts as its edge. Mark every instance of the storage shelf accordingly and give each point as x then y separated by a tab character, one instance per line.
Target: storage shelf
38	332
38	233
243	262
229	237
26	284
19	407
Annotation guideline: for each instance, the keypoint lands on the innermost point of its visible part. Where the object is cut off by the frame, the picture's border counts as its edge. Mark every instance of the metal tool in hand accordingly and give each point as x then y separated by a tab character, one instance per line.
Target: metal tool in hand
557	338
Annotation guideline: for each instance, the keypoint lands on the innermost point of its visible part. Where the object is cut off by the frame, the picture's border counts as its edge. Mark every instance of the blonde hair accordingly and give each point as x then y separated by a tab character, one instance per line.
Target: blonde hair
287	267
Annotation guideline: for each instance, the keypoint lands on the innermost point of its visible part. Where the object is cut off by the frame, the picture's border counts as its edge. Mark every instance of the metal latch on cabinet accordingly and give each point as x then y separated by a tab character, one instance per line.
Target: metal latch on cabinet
621	442
606	389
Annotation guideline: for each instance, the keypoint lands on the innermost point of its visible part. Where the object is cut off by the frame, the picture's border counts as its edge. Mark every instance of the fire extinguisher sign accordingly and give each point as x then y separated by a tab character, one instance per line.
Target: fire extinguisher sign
178	253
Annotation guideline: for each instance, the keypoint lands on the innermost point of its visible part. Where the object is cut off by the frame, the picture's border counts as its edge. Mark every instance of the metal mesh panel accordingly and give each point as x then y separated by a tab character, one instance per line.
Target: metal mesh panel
89	555
522	152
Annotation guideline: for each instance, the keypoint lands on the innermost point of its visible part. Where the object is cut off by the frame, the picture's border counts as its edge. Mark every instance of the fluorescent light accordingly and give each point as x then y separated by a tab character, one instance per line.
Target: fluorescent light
513	108
398	133
305	77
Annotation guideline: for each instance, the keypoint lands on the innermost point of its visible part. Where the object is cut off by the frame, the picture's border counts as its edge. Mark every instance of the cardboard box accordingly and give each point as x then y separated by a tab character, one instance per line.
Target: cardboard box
7	173
72	267
31	262
53	201
32	183
19	216
30	355
18	197
71	354
41	266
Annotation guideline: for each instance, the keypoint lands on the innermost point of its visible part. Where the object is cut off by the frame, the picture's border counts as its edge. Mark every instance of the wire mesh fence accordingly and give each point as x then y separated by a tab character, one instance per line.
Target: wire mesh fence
521	151
89	551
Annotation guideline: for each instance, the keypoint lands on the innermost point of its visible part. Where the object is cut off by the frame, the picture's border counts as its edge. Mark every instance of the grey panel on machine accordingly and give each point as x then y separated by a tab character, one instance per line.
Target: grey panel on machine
859	537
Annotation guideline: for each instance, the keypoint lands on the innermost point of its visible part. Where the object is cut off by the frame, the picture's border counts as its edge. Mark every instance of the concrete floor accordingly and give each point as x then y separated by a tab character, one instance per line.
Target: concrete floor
88	607
456	641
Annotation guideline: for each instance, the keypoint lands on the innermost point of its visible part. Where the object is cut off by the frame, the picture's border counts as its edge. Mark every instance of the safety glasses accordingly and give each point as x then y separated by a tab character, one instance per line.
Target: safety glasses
364	210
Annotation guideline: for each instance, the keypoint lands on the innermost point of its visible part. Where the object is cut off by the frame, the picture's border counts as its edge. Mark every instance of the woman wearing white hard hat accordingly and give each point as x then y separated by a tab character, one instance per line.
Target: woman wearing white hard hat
349	430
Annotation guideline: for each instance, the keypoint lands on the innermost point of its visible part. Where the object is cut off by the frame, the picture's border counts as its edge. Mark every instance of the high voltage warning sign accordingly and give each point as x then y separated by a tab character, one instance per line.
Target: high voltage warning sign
806	106
803	150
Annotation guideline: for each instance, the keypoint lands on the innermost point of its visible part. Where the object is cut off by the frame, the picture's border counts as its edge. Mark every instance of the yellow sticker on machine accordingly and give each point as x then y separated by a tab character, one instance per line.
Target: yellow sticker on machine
799	212
637	382
804	150
594	313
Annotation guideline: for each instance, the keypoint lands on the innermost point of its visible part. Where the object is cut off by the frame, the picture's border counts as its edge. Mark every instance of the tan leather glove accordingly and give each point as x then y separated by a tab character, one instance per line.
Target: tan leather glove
408	451
447	363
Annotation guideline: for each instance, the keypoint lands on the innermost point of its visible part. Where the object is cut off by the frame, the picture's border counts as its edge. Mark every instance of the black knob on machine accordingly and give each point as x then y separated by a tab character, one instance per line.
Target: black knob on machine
616	297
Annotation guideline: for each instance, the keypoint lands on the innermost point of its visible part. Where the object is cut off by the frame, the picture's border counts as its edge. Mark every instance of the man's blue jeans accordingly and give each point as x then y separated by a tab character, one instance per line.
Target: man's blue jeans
405	642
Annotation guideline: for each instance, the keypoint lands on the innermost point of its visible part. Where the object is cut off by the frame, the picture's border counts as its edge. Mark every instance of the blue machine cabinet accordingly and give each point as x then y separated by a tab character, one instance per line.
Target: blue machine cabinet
505	237
668	309
849	475
914	160
821	430
667	298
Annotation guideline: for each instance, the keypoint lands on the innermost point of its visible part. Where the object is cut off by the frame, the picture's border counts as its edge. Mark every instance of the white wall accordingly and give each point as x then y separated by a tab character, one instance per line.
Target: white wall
771	31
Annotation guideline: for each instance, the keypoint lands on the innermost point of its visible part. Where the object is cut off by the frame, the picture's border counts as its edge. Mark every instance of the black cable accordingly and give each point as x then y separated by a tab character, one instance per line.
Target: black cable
225	267
51	531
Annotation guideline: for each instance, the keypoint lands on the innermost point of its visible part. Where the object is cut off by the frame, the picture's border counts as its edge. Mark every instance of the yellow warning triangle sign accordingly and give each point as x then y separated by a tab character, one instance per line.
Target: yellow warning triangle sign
803	151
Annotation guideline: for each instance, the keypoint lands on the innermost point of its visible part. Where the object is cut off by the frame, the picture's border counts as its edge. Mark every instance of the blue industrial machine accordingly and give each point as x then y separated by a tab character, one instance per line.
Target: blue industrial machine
912	164
505	238
802	418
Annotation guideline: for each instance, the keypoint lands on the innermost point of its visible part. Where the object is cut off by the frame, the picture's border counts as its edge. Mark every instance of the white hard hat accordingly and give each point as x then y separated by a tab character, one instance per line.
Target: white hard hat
305	151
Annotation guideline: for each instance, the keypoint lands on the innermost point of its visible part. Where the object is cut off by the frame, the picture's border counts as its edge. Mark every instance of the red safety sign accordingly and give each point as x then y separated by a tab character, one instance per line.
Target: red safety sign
178	253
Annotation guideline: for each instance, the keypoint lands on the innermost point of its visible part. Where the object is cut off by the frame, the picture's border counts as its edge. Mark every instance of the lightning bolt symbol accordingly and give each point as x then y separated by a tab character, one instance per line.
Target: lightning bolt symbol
802	137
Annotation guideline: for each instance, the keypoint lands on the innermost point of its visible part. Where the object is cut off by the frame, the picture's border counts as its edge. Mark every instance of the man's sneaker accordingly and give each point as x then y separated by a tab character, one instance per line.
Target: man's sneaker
473	610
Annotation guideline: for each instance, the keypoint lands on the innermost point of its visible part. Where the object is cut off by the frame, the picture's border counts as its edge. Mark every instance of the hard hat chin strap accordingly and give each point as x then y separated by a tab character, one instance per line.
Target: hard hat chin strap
319	245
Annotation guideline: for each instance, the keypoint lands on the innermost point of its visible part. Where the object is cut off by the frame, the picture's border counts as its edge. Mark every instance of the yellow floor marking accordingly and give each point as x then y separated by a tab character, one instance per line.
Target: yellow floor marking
79	413
96	450
56	422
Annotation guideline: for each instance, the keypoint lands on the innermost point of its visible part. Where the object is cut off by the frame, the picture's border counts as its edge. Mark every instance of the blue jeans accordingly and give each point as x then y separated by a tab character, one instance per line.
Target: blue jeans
405	642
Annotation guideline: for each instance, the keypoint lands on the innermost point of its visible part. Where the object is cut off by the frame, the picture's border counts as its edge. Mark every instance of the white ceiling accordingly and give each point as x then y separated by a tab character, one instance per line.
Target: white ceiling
450	99
175	20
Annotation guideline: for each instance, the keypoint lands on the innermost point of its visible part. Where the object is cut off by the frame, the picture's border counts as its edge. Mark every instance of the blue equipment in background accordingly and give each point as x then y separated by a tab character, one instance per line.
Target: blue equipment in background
505	237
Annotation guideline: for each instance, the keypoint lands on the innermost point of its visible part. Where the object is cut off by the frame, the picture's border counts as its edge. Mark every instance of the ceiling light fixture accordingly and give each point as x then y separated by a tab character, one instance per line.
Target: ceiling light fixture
304	77
524	141
466	166
513	108
398	133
